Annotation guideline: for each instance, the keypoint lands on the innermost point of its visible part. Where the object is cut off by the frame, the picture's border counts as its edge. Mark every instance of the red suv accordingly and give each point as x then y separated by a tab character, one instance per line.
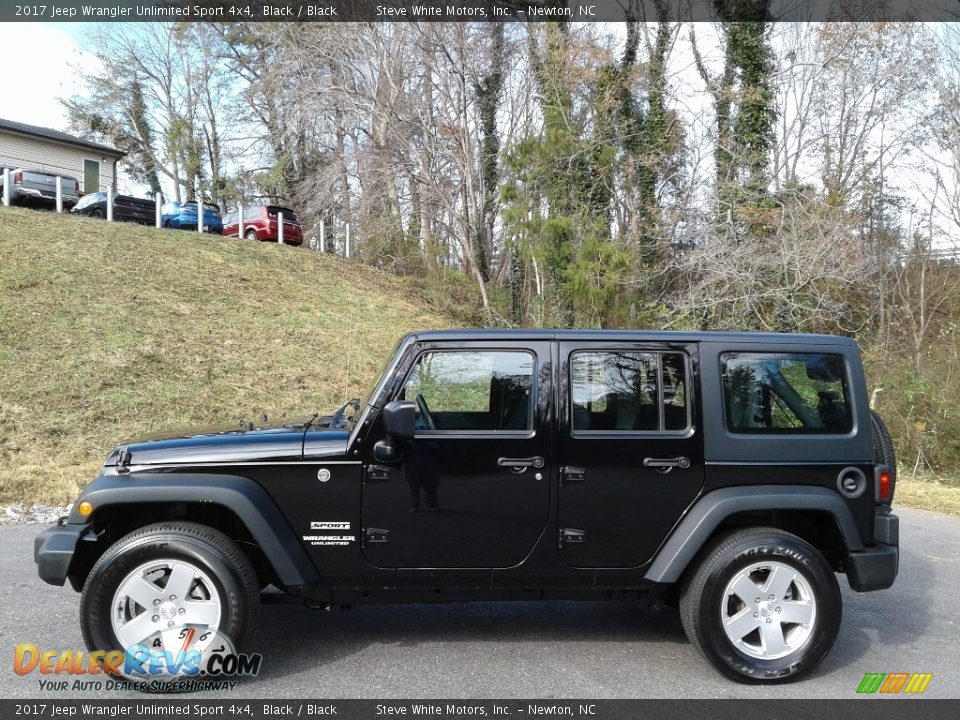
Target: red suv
260	222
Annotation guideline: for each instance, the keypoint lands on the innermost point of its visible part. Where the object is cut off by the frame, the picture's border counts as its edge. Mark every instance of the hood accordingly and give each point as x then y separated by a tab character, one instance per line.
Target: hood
246	442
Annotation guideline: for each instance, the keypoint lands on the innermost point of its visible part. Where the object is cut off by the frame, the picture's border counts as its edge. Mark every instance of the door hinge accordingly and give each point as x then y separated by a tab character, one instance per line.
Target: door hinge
571	475
374	536
377	473
571	536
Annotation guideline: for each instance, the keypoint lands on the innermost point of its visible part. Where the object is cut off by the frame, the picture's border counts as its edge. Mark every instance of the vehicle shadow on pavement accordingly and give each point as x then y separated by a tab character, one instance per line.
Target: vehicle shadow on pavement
872	621
292	638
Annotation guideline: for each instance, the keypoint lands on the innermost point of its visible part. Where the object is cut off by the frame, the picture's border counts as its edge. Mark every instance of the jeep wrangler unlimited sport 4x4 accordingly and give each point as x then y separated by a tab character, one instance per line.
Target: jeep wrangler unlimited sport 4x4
732	475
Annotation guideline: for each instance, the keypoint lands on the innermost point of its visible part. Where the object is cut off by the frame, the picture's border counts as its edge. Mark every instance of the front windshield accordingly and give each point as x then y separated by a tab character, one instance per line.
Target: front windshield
380	375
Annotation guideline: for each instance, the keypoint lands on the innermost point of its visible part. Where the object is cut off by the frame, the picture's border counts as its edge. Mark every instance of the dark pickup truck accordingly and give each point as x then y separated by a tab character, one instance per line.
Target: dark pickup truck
730	475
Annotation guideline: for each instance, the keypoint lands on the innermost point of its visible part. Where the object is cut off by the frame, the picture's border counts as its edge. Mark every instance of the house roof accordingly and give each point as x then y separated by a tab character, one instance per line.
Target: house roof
57	136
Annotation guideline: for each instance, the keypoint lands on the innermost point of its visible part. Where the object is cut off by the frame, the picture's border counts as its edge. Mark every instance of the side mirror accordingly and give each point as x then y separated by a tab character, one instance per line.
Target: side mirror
399	417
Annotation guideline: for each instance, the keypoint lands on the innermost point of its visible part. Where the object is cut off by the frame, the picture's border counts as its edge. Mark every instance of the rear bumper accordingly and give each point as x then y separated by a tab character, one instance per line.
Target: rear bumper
28	193
875	568
54	549
215	228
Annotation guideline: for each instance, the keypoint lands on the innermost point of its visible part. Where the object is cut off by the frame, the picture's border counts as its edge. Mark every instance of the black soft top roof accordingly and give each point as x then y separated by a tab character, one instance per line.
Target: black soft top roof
630	335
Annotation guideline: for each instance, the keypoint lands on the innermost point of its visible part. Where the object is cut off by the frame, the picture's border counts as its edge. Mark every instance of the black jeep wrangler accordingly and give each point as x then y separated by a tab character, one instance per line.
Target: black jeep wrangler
731	475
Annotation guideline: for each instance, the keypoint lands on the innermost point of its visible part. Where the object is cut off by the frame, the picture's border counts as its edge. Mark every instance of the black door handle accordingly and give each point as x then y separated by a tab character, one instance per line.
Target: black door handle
536	462
680	462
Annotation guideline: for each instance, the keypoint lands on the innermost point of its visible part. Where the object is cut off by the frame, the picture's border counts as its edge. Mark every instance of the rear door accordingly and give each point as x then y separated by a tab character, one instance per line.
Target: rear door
631	454
471	489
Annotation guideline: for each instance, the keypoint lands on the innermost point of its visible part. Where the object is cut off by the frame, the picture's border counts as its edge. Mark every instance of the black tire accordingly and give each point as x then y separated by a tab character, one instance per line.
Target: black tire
250	235
167	224
97	213
883	452
198	545
703	597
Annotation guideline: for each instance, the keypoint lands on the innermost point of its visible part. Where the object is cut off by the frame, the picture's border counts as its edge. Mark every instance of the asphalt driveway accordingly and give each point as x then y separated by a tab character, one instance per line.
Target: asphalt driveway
531	650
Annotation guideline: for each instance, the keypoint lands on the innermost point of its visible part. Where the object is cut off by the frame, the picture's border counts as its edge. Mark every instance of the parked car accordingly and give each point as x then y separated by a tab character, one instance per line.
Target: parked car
261	222
39	188
126	208
183	216
518	464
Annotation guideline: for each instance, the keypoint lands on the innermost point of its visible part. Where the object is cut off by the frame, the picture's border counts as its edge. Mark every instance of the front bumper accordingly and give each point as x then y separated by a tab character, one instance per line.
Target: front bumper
54	550
875	568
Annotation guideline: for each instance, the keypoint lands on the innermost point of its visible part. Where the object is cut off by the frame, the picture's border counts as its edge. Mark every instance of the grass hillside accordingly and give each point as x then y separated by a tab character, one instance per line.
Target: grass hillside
110	331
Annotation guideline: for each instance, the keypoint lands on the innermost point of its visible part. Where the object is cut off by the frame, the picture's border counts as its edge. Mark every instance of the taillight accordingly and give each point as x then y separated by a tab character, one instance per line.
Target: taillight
883	486
18	178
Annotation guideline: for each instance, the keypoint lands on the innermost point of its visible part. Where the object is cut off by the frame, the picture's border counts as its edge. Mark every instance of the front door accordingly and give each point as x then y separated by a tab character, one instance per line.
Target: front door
631	457
91	176
471	490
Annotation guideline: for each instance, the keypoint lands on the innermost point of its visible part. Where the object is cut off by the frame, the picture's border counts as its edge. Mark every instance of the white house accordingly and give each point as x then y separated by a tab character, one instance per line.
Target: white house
39	148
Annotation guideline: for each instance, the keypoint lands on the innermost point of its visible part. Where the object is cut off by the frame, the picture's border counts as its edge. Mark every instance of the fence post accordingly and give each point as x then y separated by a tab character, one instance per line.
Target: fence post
59	195
280	227
323	247
348	242
6	187
200	214
109	203
158	201
240	221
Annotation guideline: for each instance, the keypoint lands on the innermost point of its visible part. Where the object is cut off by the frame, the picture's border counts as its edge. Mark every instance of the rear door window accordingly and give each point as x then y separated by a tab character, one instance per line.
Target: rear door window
786	393
629	391
288	214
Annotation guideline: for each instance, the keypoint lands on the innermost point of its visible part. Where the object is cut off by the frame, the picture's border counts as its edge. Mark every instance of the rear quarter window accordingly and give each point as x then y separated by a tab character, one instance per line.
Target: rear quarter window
786	393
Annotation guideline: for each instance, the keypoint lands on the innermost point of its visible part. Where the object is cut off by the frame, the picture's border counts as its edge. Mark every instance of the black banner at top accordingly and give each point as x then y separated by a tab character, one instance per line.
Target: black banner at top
475	10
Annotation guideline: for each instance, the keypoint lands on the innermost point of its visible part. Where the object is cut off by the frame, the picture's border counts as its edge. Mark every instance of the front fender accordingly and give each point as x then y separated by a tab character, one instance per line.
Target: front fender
713	508
241	495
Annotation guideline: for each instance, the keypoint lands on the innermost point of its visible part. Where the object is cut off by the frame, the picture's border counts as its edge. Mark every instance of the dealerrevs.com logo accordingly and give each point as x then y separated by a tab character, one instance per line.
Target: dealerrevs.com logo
894	683
177	659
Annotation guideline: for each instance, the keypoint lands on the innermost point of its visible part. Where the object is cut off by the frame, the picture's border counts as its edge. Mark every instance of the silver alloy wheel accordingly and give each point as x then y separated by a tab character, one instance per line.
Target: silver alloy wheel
768	610
162	594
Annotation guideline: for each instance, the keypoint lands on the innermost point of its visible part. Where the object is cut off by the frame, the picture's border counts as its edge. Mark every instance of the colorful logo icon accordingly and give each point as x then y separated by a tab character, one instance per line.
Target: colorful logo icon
893	683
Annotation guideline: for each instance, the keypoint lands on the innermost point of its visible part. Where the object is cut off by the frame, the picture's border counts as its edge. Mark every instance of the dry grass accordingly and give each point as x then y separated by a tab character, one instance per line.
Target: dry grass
109	332
936	494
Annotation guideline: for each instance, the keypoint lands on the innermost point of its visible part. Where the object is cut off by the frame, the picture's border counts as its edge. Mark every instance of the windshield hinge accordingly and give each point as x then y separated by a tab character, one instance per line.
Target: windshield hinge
123	461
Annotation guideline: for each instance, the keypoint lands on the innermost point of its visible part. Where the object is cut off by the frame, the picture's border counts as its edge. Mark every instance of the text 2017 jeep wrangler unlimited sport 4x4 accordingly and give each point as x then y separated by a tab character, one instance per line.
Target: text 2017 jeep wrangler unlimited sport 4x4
731	474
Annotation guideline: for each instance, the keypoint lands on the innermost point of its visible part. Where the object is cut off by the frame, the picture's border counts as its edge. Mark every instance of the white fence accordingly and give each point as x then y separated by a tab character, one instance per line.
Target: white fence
158	199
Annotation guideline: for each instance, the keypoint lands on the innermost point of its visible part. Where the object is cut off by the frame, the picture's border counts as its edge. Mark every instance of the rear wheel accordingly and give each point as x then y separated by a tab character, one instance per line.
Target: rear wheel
96	213
251	235
763	606
167	576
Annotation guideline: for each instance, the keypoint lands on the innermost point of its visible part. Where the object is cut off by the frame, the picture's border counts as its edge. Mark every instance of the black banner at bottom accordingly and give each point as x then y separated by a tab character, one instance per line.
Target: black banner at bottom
854	709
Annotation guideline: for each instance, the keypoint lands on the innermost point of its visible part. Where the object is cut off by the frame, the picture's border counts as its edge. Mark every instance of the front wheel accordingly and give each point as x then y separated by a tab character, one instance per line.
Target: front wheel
763	606
251	235
164	577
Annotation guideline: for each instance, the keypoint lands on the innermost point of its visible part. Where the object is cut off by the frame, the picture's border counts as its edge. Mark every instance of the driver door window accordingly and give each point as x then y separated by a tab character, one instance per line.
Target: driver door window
469	391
